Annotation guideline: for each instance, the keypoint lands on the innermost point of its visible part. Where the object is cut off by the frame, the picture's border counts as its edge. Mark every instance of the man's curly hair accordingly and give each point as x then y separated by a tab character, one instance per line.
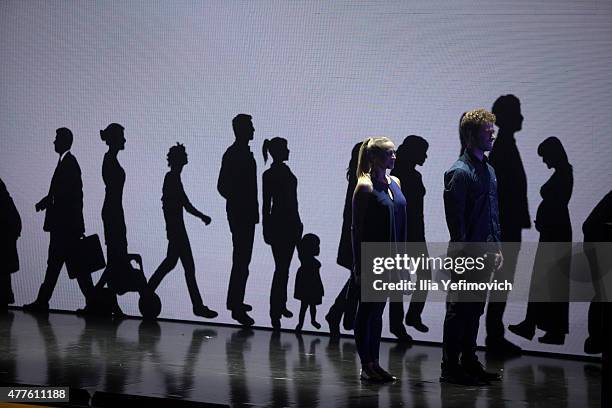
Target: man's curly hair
176	154
470	124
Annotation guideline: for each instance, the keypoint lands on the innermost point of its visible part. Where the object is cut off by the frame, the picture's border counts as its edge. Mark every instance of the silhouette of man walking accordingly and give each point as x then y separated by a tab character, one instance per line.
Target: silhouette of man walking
238	185
174	200
63	208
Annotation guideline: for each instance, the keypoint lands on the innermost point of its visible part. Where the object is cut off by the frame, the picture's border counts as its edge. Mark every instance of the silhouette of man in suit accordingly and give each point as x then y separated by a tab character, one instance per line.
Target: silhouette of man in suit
238	185
63	208
513	214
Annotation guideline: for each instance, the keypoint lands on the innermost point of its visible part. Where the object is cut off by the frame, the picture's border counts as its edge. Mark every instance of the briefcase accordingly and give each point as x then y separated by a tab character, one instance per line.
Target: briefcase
86	258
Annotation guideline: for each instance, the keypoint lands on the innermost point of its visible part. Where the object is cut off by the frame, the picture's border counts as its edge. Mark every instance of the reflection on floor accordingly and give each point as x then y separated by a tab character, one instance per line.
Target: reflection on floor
228	365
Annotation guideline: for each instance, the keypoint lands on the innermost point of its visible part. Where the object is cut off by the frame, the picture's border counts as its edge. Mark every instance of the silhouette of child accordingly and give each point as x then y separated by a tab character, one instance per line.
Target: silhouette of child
308	285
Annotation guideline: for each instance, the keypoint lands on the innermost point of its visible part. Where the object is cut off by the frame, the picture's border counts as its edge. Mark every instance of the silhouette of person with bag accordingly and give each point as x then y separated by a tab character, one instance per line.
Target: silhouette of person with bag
63	208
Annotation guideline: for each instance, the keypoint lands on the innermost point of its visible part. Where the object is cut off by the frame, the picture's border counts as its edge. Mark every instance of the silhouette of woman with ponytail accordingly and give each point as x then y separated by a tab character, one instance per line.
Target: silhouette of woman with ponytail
282	227
115	233
379	215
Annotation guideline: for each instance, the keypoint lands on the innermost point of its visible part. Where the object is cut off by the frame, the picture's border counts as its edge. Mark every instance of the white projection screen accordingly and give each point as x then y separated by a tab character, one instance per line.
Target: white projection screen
323	75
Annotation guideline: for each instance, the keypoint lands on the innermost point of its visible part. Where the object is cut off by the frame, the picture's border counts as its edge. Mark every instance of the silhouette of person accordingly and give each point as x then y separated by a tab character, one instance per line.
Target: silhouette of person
10	231
411	153
553	223
282	227
308	285
597	228
513	214
115	233
345	303
238	185
174	200
470	206
63	208
379	215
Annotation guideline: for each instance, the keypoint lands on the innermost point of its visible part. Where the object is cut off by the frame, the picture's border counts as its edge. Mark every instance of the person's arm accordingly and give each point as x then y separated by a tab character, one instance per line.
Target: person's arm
266	207
194	211
190	208
455	198
224	183
360	206
43	204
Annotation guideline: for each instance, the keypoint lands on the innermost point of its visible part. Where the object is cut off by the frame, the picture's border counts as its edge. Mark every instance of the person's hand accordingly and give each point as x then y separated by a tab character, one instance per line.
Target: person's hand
356	279
499	260
42	204
206	219
494	260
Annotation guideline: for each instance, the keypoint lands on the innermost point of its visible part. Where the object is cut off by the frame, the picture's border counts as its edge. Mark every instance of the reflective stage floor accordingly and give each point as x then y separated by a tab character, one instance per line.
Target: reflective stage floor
227	365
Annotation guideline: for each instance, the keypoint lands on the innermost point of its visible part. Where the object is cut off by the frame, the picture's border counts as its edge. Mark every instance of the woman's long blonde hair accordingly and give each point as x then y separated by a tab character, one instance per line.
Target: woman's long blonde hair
371	149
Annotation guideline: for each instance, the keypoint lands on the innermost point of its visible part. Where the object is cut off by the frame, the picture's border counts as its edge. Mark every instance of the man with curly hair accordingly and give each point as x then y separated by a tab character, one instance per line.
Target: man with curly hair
470	204
174	200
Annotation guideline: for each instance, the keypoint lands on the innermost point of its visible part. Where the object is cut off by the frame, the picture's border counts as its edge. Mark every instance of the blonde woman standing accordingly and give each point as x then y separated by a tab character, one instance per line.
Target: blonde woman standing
379	215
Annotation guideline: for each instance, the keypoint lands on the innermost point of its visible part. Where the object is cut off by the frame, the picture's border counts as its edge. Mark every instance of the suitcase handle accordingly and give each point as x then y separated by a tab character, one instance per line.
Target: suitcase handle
137	258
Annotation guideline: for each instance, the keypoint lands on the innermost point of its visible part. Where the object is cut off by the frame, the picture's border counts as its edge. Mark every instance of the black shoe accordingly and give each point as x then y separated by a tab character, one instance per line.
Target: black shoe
417	324
286	313
316	324
348	320
334	326
247	308
593	345
243	318
552	338
475	369
370	375
384	374
275	321
502	347
36	307
523	329
298	328
402	336
90	311
457	375
204	311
